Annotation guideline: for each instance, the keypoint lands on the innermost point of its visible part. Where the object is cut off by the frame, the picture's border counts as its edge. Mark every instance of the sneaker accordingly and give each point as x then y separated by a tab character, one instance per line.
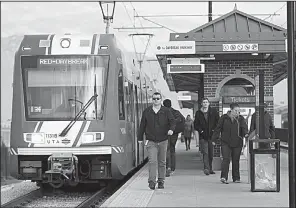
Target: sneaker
236	181
223	180
207	172
212	172
172	172
152	185
161	185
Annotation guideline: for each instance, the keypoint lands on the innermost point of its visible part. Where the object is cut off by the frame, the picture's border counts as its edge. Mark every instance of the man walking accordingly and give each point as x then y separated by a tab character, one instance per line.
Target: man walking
157	123
171	150
205	122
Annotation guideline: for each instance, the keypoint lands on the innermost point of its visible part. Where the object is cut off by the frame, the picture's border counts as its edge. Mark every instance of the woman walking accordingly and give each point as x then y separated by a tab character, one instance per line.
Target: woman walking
233	129
188	130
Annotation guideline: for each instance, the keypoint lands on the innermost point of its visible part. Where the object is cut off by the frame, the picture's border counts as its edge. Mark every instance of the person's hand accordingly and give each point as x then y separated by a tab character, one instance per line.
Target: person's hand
170	132
247	135
213	143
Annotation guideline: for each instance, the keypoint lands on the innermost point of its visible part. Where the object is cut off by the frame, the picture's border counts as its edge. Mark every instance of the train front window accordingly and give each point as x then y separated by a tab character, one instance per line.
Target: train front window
57	87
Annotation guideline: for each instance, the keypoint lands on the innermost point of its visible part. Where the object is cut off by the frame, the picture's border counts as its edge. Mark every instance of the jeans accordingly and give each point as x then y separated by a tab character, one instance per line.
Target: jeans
171	152
233	153
206	148
157	158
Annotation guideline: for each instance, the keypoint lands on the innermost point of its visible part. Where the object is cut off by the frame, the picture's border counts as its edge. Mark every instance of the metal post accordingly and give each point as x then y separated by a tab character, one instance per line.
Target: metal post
291	98
261	104
210	11
107	26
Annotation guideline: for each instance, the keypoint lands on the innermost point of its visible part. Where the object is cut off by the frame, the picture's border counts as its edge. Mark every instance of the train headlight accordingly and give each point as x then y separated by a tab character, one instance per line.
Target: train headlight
65	43
91	137
36	138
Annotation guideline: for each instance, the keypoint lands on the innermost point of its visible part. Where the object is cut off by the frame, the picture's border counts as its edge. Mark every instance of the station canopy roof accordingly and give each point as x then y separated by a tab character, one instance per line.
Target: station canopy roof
235	27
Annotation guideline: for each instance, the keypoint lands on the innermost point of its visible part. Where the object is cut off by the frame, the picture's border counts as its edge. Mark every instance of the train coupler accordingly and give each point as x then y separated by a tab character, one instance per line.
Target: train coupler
62	167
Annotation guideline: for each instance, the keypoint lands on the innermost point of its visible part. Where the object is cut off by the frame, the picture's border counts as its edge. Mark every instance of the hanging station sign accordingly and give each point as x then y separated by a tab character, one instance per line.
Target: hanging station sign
176	47
241	47
239	99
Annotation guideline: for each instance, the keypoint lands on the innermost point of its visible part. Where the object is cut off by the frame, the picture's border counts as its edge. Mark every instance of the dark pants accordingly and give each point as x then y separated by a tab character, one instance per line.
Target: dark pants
171	152
187	142
232	153
157	159
206	149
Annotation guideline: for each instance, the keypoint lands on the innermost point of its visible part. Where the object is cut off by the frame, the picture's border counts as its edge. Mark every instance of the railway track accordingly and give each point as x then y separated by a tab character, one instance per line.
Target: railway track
24	199
56	198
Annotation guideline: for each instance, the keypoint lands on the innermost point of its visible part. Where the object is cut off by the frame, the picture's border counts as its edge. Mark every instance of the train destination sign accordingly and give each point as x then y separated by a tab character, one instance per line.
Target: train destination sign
62	61
240	99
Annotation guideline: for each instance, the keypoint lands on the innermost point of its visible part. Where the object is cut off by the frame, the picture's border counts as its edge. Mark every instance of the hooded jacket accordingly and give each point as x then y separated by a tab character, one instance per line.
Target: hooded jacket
232	131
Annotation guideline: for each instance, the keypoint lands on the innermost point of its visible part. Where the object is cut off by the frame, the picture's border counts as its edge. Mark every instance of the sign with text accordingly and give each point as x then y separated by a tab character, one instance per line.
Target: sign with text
62	61
240	99
257	90
184	97
185	68
176	47
241	47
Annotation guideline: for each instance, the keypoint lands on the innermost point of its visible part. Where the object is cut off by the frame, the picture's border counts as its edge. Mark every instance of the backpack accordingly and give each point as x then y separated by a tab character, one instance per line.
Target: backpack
180	121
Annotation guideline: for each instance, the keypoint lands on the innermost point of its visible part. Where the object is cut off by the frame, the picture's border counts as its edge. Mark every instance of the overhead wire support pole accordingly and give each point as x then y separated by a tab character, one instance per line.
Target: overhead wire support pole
291	21
108	18
141	59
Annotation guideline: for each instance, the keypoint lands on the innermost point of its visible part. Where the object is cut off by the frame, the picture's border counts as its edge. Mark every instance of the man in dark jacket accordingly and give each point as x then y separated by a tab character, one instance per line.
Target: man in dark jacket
269	128
157	123
233	128
205	122
171	150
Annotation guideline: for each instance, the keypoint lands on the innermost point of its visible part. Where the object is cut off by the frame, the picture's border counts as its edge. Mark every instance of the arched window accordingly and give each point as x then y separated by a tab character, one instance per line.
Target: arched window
238	87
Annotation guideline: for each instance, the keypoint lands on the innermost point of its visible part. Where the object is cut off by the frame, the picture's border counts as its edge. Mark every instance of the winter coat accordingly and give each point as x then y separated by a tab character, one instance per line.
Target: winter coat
188	127
206	129
232	131
156	125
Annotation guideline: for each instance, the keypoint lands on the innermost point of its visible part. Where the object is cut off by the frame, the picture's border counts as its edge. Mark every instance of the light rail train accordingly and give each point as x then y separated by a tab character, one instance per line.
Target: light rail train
77	104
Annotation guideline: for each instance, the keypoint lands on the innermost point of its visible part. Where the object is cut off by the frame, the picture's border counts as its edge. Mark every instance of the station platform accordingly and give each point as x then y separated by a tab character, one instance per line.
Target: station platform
190	187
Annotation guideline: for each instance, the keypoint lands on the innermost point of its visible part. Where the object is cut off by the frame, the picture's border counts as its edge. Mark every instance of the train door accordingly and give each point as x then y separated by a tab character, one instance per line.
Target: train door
136	125
140	108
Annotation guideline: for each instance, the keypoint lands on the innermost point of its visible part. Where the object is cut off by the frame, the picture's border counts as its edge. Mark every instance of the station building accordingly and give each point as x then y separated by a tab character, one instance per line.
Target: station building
221	59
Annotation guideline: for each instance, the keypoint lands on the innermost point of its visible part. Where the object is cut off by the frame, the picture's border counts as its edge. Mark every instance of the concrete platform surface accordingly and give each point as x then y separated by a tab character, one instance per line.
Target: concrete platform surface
190	187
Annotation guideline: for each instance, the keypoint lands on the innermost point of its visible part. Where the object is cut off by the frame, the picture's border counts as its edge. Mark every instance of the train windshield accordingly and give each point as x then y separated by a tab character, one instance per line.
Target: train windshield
58	87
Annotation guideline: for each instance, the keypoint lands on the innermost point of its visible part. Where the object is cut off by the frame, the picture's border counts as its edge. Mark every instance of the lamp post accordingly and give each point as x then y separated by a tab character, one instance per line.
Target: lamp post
106	7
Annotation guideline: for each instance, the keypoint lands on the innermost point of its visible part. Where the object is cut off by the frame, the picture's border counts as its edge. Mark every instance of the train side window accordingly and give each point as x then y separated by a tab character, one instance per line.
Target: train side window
121	97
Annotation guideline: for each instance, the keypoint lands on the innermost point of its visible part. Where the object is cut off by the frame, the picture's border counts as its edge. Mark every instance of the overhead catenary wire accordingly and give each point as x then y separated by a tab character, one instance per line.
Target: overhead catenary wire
275	13
141	55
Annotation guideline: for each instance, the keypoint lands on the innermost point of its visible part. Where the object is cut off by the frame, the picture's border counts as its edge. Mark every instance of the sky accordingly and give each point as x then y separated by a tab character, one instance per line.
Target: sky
19	18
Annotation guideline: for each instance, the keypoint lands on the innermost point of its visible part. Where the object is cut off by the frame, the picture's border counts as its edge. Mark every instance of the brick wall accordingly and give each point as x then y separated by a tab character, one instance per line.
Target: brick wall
216	71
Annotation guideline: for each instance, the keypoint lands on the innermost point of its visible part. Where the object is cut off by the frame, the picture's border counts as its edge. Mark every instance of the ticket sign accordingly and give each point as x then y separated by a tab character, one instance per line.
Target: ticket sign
239	99
176	47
